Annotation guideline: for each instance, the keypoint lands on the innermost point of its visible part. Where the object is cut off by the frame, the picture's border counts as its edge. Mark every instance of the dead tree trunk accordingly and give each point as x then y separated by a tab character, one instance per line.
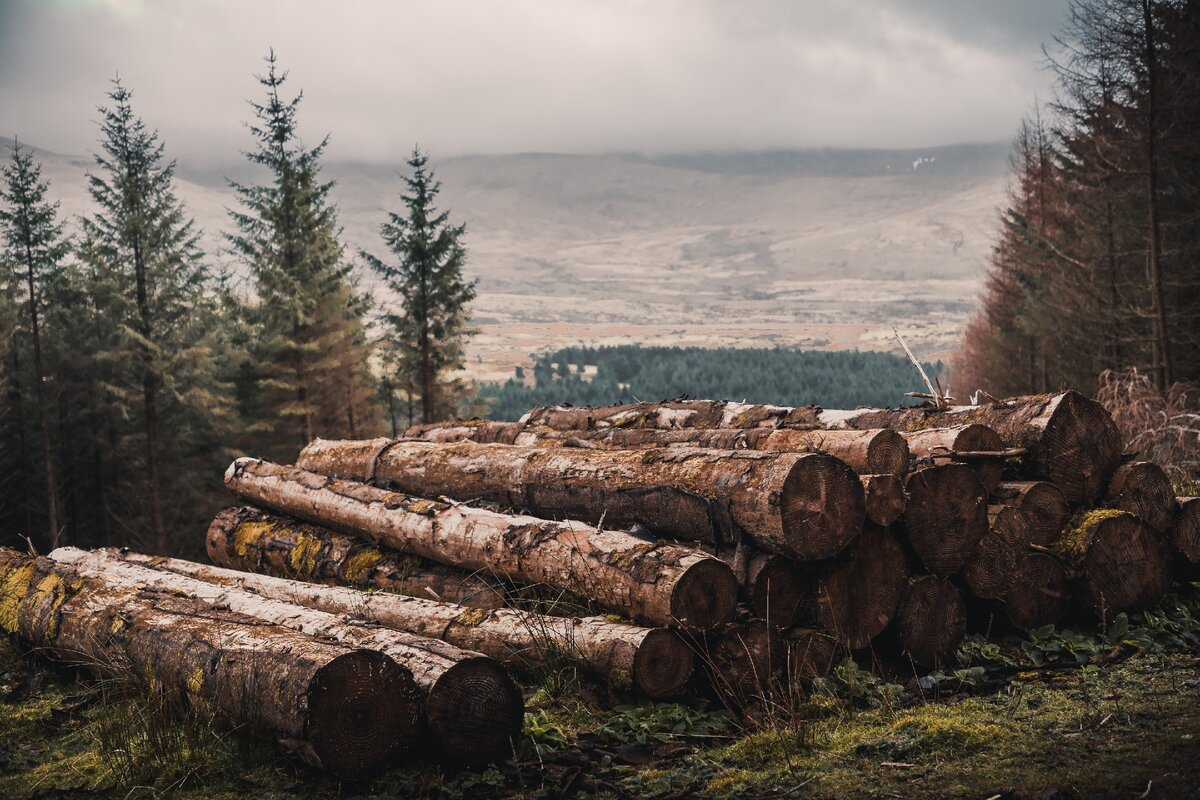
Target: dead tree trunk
674	414
932	620
1070	440
989	573
944	443
1039	593
345	709
885	498
1186	532
1144	490
946	516
805	506
654	660
471	706
656	583
1121	562
257	541
1044	505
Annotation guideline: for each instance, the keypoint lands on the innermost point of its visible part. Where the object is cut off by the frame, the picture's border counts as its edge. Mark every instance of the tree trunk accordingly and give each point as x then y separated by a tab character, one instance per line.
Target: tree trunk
1039	593
1121	563
471	706
654	660
937	443
805	506
1144	490
946	516
1163	374
341	708
1044	506
1071	440
674	414
656	583
932	621
885	498
1185	534
39	383
256	541
989	573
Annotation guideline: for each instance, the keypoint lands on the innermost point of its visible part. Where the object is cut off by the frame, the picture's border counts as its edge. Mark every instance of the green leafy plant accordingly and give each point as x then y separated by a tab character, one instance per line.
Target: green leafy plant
663	722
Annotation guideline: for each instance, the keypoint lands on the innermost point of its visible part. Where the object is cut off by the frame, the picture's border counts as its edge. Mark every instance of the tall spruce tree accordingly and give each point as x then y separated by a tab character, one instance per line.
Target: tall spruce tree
310	376
431	329
36	247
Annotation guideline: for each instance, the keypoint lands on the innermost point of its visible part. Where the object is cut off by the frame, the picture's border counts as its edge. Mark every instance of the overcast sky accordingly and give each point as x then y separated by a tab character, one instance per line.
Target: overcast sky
495	76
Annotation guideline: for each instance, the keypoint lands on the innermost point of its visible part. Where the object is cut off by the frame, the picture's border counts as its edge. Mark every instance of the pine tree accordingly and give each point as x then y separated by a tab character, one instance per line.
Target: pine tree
313	376
432	328
35	245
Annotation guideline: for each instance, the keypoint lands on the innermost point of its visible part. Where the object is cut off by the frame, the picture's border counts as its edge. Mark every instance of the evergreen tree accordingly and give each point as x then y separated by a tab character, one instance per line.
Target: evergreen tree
35	245
431	330
313	376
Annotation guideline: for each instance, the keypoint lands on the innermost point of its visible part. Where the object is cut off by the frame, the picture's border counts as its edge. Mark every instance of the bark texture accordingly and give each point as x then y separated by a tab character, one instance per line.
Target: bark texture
1186	532
1121	562
805	506
656	583
938	443
1044	505
946	516
932	620
351	711
1144	490
675	414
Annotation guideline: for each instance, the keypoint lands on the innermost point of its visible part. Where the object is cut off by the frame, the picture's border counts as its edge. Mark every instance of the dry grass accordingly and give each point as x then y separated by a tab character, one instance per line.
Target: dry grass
1160	428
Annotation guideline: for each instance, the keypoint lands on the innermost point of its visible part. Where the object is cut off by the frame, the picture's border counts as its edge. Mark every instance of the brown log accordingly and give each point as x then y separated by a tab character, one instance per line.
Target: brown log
938	443
654	660
805	506
885	498
990	571
257	541
811	653
1121	562
471	707
1039	593
349	710
932	620
1144	490
674	414
1070	440
744	661
1185	534
474	430
656	583
1044	506
946	516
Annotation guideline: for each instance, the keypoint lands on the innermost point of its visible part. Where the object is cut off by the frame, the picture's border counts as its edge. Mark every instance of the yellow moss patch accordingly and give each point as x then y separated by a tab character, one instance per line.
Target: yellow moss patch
356	567
427	507
1074	542
472	616
624	557
247	535
46	598
12	591
305	555
118	624
195	681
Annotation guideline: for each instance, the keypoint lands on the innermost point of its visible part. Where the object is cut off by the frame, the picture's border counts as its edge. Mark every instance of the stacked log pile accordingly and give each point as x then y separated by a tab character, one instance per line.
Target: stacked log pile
638	543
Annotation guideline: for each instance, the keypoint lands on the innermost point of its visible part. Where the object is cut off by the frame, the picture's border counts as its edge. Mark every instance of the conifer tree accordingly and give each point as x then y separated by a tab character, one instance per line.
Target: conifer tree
431	329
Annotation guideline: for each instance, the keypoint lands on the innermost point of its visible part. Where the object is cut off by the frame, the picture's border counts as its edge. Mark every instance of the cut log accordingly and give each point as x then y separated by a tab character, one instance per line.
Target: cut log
744	662
811	653
351	711
805	506
938	443
1121	562
946	516
1044	506
654	660
1185	534
885	498
471	706
1070	440
474	430
1144	490
674	414
990	572
257	541
879	451
779	589
1039	593
932	620
656	583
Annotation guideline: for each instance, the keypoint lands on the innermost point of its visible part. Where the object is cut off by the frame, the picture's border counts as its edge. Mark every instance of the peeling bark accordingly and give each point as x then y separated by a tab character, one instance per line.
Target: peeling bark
674	414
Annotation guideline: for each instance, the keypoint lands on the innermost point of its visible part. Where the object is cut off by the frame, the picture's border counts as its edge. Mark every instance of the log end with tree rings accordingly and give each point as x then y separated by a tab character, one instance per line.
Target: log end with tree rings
992	566
887	453
353	727
1039	593
779	589
858	596
811	653
1080	448
473	712
1123	562
663	664
1044	505
1185	534
946	516
1143	489
744	659
885	498
932	620
822	507
705	595
976	438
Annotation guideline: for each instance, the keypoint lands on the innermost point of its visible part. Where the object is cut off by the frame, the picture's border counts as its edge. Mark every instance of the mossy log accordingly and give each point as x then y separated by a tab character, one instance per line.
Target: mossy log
1185	533
349	710
885	498
938	443
803	505
945	517
674	414
1143	489
1039	593
657	583
932	620
472	708
654	660
1120	562
990	571
272	544
1044	505
1070	440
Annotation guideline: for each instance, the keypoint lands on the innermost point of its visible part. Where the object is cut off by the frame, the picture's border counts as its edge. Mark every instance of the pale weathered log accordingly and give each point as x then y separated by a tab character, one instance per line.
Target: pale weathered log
342	708
939	443
885	498
657	583
654	660
989	573
945	517
258	541
1120	562
1069	439
805	506
1039	593
1044	505
932	620
1143	489
1185	533
674	414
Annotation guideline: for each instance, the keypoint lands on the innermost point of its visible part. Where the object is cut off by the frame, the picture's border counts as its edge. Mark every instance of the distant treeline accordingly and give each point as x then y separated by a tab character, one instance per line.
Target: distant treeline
622	373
